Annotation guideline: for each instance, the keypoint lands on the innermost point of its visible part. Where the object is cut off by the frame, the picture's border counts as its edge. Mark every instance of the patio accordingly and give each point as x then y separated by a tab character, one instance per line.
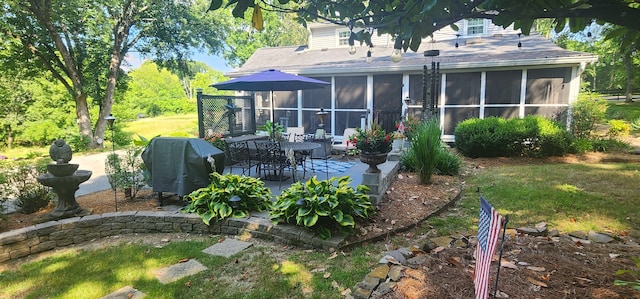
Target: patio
337	166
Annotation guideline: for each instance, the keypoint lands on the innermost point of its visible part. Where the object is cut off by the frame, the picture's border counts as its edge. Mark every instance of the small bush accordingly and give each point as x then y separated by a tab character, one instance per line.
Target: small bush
585	113
214	202
635	124
34	199
79	143
609	145
581	145
323	206
619	128
531	136
447	163
18	180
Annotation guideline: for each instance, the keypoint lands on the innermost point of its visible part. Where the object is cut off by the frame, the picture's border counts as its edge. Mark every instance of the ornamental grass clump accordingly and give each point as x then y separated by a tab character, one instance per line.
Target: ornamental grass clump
323	207
373	140
425	145
229	195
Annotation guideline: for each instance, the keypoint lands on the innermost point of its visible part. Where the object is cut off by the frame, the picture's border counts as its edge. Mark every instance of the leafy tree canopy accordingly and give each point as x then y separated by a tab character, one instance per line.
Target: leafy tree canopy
82	43
414	20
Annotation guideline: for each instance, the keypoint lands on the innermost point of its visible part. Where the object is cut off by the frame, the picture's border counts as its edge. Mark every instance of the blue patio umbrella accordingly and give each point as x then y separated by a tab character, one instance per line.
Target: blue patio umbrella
271	80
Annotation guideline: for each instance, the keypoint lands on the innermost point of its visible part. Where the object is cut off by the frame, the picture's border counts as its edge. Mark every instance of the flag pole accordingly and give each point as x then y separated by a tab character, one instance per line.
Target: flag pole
504	230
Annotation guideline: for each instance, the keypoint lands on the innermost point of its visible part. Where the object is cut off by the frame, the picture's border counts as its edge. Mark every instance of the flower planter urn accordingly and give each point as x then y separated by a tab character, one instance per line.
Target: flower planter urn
373	160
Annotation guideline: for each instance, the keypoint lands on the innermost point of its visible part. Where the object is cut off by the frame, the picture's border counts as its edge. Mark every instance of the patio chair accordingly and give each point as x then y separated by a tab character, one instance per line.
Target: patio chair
345	145
273	160
239	156
296	134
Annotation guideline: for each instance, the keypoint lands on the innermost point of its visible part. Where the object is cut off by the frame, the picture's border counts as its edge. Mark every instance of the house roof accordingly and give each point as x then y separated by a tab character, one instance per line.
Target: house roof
500	51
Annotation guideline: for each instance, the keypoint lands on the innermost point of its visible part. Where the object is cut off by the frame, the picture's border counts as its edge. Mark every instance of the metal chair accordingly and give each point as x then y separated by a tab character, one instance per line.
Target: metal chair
239	156
273	160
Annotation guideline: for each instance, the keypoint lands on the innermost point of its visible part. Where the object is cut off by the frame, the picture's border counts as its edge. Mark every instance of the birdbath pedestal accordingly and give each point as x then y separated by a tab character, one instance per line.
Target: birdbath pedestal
64	178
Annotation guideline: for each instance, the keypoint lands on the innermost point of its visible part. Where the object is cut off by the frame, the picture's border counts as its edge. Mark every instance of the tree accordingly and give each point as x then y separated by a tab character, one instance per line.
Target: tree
414	20
279	30
154	91
82	43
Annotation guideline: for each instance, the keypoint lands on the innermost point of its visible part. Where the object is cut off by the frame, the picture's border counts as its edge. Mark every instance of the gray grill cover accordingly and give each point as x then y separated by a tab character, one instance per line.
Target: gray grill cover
179	165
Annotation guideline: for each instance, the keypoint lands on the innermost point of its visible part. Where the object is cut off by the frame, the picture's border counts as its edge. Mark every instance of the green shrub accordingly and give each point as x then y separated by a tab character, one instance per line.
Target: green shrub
214	202
447	163
609	145
77	142
581	145
635	124
408	160
585	113
494	137
619	128
34	199
18	180
322	206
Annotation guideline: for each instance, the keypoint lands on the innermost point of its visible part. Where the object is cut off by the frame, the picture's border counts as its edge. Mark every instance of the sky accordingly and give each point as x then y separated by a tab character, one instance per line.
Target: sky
215	62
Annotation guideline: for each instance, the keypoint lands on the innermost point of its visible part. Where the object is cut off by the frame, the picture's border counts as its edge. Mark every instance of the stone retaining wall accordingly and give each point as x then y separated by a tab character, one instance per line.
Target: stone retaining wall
56	234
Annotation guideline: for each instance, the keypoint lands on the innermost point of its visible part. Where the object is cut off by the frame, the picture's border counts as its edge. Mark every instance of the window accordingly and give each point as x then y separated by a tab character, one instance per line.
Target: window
343	38
475	26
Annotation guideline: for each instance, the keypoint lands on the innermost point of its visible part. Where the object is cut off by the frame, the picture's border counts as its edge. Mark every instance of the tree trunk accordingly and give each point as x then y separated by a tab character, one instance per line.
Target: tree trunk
83	116
9	137
629	72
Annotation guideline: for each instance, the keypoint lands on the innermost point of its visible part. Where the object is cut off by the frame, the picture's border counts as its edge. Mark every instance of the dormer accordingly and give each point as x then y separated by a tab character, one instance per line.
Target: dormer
329	36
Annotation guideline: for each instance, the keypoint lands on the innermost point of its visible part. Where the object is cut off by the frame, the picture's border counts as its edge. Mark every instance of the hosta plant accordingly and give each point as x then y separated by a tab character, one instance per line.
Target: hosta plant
217	201
324	206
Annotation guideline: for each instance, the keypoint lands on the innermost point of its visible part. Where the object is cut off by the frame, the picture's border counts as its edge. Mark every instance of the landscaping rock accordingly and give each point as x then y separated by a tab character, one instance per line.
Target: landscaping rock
172	273
227	248
600	238
127	292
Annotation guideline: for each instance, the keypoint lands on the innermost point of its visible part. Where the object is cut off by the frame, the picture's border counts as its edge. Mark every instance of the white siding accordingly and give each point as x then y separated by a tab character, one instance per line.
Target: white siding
325	36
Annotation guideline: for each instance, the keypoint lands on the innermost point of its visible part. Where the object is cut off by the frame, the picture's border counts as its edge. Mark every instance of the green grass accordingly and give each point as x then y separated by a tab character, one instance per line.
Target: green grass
624	111
599	197
258	272
185	125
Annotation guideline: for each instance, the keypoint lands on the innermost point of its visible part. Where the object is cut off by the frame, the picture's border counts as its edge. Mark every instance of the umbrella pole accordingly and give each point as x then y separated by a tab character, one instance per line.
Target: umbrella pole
273	118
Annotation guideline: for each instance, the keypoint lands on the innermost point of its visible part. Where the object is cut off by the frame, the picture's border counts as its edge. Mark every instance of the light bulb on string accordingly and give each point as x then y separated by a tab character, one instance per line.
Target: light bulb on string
396	54
457	36
368	59
352	47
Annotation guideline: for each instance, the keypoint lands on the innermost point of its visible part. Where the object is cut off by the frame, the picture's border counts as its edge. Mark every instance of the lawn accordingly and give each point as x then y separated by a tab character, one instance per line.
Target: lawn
185	125
582	196
621	110
568	197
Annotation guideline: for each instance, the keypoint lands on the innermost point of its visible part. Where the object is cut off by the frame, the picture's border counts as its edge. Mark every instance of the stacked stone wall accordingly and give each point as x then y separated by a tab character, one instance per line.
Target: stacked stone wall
52	235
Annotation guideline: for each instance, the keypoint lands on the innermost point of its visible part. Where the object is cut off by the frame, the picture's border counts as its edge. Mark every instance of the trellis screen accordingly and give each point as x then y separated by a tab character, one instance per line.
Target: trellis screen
227	115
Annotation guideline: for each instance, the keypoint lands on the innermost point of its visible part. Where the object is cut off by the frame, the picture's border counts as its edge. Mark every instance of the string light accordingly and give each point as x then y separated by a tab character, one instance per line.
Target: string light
519	43
396	54
368	60
457	36
352	41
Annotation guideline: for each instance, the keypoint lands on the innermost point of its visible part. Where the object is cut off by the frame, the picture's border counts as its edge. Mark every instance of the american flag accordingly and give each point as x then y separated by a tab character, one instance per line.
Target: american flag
488	232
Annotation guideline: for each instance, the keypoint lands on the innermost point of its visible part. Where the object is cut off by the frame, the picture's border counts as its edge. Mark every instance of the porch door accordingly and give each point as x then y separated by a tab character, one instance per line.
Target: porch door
387	100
